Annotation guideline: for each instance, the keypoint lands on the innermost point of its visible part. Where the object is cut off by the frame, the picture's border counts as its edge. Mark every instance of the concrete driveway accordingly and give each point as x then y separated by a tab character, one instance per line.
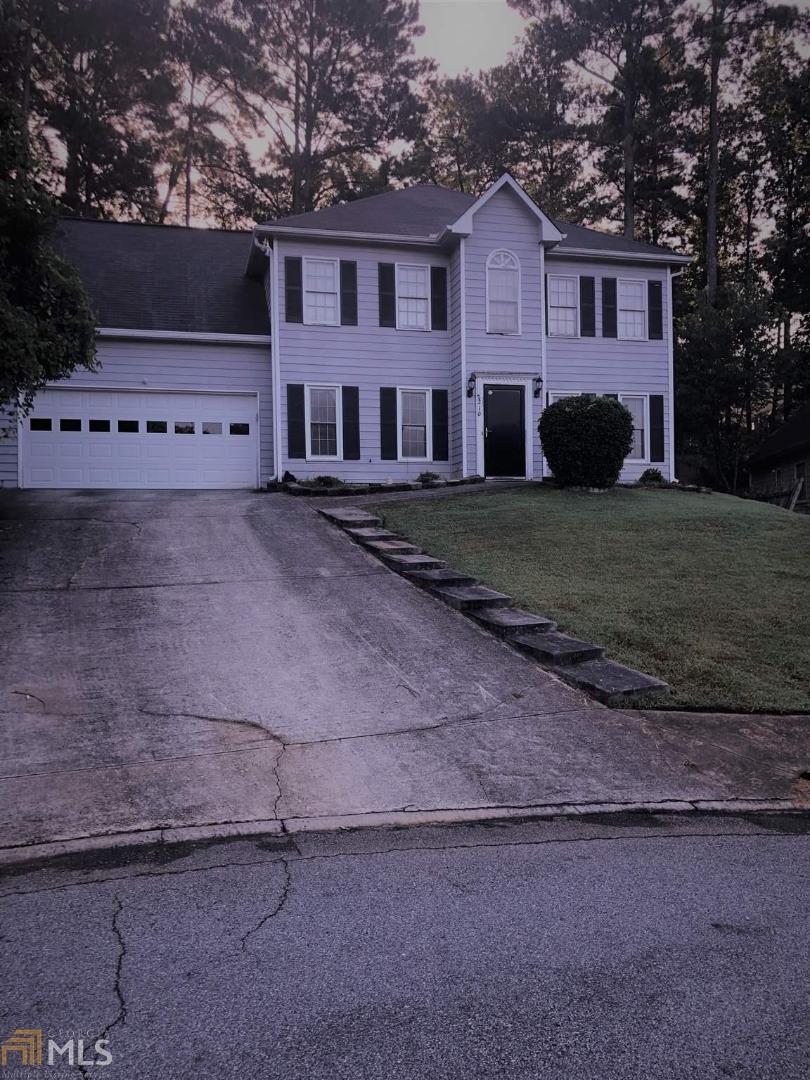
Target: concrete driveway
197	659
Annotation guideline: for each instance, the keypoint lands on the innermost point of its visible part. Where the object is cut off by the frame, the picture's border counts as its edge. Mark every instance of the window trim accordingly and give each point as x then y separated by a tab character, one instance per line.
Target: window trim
338	421
428	391
304	290
645	459
571	277
425	267
645	307
487	268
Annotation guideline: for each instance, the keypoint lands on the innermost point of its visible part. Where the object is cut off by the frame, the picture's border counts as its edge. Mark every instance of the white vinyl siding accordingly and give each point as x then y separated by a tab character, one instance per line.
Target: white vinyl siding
563	306
503	293
321	292
323	411
414	434
631	299
637	406
413	297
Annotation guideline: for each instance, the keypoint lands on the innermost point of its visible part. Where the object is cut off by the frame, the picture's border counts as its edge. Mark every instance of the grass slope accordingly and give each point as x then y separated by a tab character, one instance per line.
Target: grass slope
709	592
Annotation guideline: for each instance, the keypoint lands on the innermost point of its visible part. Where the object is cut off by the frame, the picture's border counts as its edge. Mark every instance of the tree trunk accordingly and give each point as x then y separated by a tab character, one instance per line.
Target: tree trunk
713	157
787	346
189	149
629	152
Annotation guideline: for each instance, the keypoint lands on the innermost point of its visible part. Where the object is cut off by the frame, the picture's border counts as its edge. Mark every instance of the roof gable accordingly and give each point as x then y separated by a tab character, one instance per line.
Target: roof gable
549	232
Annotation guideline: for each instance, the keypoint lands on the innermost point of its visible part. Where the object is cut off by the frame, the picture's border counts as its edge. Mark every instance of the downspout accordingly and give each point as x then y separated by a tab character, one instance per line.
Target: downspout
463	330
671	358
275	319
543	343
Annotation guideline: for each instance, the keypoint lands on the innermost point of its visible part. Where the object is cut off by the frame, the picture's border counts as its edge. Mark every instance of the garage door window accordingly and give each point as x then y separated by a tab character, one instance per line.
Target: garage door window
41	423
156	427
70	425
240	429
98	426
128	427
183	427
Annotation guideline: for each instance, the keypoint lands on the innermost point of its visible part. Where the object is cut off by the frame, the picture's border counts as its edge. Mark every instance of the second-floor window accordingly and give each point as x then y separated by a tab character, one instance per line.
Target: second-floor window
563	306
413	297
632	309
321	292
503	293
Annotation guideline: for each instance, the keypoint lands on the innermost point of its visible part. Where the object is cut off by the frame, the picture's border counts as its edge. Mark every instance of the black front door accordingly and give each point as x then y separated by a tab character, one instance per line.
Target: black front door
504	431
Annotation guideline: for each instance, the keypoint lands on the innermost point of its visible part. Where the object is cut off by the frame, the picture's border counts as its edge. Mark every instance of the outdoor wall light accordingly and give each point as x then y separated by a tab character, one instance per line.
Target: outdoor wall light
538	385
471	386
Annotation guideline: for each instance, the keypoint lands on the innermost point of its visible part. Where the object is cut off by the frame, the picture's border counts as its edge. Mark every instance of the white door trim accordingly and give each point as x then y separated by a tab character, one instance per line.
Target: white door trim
496	379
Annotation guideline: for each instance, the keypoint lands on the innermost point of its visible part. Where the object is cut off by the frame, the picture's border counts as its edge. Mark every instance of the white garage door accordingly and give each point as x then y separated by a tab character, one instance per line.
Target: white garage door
140	439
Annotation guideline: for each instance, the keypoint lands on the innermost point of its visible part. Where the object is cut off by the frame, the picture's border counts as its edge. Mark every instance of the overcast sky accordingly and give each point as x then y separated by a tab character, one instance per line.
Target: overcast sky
472	34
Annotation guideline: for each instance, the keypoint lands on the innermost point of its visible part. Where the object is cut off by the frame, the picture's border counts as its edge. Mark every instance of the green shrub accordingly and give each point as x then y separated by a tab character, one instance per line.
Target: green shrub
427	477
652	476
585	440
326	481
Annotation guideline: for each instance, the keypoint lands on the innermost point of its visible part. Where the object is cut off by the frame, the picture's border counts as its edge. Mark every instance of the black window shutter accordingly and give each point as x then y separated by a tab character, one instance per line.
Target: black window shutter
545	299
438	297
348	293
293	290
655	310
608	307
587	307
386	279
656	427
388	423
351	422
296	424
441	449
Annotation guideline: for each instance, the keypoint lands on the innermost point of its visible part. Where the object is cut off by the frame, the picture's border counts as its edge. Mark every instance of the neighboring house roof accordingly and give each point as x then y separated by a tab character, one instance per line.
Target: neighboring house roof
162	277
787	440
425	211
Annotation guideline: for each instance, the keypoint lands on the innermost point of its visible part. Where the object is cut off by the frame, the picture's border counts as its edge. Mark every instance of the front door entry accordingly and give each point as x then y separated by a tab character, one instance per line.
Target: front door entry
504	431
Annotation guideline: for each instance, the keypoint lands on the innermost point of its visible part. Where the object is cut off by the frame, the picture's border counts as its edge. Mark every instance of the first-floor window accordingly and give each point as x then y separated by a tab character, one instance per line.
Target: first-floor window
414	430
636	405
322	421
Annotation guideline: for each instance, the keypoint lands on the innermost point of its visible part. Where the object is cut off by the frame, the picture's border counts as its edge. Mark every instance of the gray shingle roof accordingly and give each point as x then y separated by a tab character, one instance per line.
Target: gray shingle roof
425	210
161	277
791	437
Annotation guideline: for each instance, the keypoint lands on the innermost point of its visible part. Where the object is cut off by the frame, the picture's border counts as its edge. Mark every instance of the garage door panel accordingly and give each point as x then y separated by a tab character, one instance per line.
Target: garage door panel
107	458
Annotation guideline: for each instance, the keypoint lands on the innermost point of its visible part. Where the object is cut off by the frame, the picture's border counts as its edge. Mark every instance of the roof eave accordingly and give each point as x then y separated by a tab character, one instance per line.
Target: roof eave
346	234
624	256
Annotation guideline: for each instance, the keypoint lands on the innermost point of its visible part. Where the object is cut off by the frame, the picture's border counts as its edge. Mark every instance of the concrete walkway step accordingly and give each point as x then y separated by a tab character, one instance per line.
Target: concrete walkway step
373	532
350	515
612	683
558	650
405	563
440	576
392	547
509	621
468	597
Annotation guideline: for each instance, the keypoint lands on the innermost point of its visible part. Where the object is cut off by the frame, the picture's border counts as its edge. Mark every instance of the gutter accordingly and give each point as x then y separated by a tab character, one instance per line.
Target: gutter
135	334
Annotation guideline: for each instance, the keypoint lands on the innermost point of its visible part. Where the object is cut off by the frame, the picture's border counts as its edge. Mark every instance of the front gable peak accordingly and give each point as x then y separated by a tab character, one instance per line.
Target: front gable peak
549	233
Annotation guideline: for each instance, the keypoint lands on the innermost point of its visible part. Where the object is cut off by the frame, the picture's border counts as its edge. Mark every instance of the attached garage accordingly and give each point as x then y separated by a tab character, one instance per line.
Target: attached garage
83	438
182	395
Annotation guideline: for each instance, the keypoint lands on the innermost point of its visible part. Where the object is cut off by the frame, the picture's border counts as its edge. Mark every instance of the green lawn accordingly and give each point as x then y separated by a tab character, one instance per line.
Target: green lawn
709	592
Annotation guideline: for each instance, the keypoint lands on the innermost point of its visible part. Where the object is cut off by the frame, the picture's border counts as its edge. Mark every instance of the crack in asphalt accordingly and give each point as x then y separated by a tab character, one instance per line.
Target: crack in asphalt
28	694
380	852
279	907
121	1015
191	584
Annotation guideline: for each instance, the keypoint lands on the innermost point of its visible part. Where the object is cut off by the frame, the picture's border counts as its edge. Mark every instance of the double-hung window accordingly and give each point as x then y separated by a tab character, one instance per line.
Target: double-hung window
321	291
632	309
563	306
636	405
413	297
503	293
323	421
414	429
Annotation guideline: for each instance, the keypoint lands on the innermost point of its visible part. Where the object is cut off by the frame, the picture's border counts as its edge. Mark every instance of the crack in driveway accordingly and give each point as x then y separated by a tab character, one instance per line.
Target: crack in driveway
279	907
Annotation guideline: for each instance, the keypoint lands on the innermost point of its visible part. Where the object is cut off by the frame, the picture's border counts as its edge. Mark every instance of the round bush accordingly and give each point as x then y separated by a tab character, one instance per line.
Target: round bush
585	440
652	476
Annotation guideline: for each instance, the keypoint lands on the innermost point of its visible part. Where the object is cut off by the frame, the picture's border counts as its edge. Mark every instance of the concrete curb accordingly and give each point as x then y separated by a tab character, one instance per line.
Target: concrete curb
288	827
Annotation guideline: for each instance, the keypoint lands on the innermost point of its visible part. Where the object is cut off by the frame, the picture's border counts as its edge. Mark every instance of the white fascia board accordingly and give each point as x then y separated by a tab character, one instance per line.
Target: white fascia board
182	335
464	225
619	256
338	235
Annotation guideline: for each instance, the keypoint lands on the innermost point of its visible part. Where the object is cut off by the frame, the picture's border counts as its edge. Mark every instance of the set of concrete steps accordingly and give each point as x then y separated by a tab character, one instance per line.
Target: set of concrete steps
581	664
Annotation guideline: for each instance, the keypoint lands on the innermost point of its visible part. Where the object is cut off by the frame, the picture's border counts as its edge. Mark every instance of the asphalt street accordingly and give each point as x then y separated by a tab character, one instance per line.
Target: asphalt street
636	947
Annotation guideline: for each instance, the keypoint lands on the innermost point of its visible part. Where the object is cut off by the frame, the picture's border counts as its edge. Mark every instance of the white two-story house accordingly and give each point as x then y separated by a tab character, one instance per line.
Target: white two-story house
420	330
